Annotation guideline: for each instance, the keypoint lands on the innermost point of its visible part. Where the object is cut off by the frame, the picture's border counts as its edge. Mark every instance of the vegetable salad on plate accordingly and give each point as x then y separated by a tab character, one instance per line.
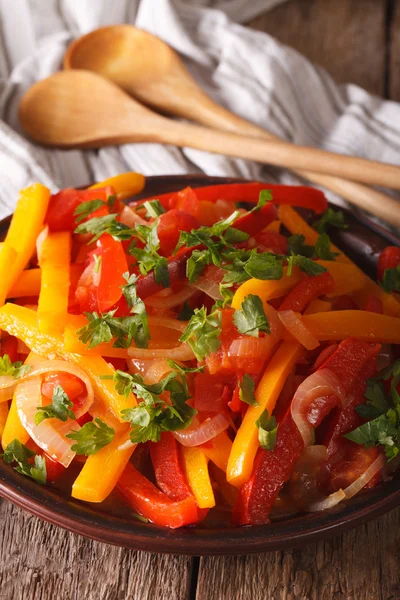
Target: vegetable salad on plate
205	356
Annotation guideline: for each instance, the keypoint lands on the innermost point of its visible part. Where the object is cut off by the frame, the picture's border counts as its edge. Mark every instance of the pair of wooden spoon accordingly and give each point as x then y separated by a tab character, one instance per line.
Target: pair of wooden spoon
90	105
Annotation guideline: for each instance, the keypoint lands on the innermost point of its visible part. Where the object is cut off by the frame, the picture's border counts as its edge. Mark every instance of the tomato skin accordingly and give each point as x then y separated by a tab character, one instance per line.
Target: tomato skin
186	200
112	268
54	469
9	345
388	259
169	227
60	214
271	241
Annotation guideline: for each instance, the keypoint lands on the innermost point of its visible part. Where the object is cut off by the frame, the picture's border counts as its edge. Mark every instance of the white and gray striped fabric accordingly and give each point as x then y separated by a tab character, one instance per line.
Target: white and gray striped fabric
247	71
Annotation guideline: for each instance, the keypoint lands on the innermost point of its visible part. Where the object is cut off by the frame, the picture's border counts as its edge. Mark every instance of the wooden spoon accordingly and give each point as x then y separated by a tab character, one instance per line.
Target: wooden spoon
83	110
148	69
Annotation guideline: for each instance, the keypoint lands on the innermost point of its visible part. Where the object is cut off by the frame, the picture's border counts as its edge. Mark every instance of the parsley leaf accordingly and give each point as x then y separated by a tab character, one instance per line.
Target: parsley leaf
107	224
250	318
296	245
323	248
330	218
304	264
154	208
17	369
267	431
104	327
148	257
87	208
60	407
186	312
92	437
202	332
226	296
391	279
265	265
156	413
246	390
196	263
17	452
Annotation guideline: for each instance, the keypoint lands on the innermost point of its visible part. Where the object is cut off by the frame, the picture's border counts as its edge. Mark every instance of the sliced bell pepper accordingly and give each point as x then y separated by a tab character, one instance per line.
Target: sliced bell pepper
245	444
125	185
144	498
13	429
307	289
113	265
8	256
391	306
269	289
54	260
389	258
348	277
28	284
228	491
30	210
4	410
101	471
219	450
275	226
317	306
22	323
73	344
342	324
195	466
306	197
167	468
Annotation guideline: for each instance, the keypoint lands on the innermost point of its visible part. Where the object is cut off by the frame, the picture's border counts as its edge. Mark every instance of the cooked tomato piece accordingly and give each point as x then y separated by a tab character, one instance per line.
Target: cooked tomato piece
388	259
169	227
60	214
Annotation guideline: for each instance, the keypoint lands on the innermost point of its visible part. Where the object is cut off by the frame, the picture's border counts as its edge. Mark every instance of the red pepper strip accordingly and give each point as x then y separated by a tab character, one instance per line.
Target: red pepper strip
303	196
251	223
143	497
388	259
167	469
309	288
112	267
273	467
373	304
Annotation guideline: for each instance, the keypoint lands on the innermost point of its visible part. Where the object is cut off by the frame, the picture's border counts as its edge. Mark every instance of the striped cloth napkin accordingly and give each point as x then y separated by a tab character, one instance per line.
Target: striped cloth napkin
247	71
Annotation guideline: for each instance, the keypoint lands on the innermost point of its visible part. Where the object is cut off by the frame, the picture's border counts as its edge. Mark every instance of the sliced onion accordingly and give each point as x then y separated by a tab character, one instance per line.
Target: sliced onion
365	478
211	288
328	502
157	370
168	323
250	347
129	217
275	324
39	241
160	300
182	352
294	324
206	431
319	384
50	434
136	365
7	386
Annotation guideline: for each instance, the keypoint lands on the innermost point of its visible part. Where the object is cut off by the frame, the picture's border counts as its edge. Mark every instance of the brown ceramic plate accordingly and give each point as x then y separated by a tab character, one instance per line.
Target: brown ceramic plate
363	242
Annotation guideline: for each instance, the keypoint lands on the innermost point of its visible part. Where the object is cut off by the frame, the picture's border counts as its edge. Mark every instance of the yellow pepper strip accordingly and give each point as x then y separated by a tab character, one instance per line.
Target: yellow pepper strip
267	290
341	324
73	344
3	416
227	491
22	323
27	284
293	221
26	224
296	224
125	185
318	306
348	277
13	429
219	451
8	257
54	261
195	465
245	444
101	471
274	226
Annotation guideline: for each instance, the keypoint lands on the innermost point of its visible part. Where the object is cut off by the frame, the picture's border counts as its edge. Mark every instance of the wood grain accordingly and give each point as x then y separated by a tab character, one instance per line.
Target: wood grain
360	565
346	37
42	562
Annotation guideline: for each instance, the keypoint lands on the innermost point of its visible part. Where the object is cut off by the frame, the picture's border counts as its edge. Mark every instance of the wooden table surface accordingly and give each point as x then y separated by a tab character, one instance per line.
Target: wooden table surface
356	41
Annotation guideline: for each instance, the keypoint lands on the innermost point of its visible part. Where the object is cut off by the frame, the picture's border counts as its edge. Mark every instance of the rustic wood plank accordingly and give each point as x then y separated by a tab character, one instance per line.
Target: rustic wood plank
394	51
41	562
360	565
346	37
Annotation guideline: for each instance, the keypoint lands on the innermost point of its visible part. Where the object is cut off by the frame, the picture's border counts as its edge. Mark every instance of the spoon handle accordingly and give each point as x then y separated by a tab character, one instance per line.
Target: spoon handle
304	158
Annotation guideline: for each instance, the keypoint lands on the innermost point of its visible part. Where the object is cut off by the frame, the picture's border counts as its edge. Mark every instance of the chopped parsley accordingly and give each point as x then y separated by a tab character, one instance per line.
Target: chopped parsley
87	208
92	437
148	257
186	312
246	390
19	453
60	407
251	318
104	327
202	332
304	264
330	218
16	369
384	410
267	431
391	279
154	208
107	224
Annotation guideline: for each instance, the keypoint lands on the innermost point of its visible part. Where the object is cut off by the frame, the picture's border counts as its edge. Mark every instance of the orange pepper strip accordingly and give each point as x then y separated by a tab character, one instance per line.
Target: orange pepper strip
28	284
267	290
348	277
101	471
294	222
341	324
8	256
54	261
195	465
22	323
219	451
274	226
125	184
13	429
245	444
318	306
4	410
26	224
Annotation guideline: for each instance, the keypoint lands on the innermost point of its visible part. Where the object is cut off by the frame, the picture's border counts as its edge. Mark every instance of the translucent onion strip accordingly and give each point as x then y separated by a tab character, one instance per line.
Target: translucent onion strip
172	300
200	434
